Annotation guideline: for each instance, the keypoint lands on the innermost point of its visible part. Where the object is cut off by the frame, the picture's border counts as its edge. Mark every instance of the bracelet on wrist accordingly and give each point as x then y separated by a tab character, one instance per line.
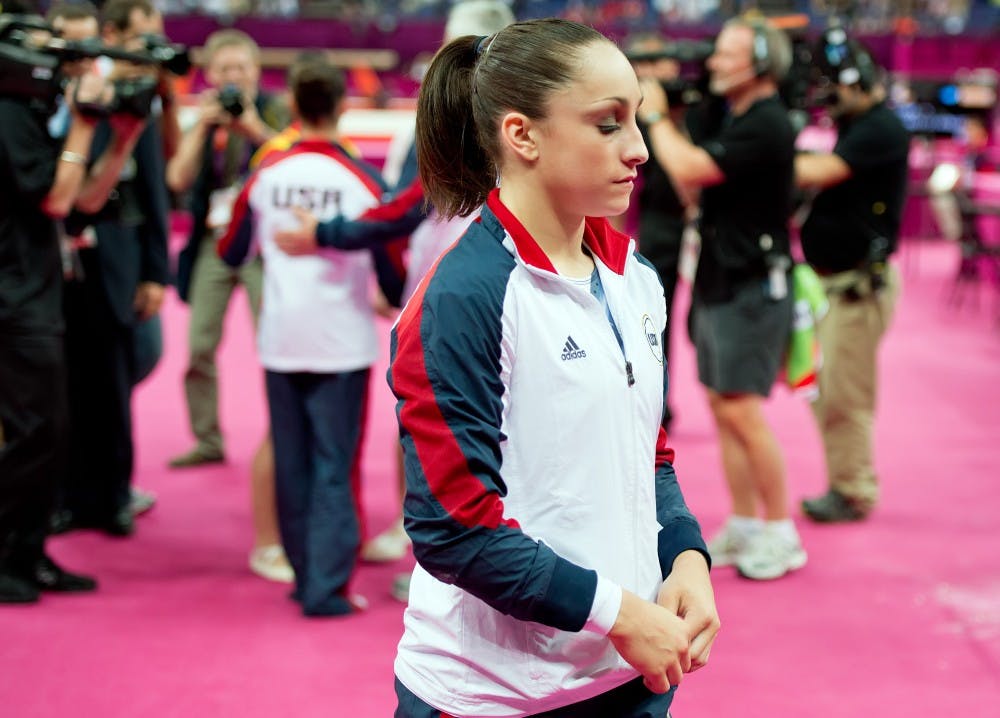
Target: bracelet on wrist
74	158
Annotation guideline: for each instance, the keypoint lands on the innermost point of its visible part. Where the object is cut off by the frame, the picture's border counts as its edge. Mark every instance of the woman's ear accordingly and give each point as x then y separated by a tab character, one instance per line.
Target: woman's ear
517	134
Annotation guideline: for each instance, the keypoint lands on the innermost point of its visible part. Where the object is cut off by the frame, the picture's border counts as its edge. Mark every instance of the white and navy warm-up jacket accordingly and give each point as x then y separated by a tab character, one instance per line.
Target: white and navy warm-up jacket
316	313
539	482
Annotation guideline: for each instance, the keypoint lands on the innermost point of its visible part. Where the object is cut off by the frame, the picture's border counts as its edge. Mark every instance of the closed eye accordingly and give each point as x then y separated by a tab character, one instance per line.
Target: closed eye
608	129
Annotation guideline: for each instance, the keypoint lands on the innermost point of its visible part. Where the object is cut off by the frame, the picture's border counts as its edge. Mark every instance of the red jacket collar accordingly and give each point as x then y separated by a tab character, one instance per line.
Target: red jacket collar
608	244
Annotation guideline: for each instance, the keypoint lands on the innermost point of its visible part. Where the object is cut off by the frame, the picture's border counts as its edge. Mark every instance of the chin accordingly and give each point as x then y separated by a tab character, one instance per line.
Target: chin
613	209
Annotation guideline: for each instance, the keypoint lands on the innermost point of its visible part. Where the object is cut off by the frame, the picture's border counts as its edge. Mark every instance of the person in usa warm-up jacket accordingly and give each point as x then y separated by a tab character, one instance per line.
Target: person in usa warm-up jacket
317	338
559	569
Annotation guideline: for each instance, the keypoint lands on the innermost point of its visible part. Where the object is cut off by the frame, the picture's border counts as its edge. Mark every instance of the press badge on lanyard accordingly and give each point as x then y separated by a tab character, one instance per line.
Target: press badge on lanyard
220	208
777	268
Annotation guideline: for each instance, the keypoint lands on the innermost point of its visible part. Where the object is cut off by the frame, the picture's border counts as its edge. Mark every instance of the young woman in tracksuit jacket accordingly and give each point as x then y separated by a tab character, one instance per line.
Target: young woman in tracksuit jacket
317	338
559	569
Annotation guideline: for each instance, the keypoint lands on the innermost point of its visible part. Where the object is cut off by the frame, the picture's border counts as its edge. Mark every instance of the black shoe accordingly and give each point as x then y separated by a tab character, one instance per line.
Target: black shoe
121	524
14	589
50	577
834	507
62	521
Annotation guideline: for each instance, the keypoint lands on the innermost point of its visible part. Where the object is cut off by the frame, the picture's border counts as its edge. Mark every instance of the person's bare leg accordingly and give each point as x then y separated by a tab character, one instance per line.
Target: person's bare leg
393	543
743	417
267	559
735	462
263	501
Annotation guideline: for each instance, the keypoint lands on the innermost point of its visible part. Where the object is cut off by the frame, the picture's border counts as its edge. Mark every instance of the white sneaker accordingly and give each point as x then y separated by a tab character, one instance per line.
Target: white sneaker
769	555
271	563
141	501
727	546
390	545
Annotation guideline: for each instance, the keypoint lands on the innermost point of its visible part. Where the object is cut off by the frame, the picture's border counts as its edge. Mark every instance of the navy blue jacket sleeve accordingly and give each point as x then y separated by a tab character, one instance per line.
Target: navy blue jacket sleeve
390	274
397	216
679	530
151	169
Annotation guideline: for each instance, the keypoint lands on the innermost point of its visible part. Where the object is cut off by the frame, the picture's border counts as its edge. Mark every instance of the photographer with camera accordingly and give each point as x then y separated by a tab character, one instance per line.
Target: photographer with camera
119	284
851	230
43	179
741	159
234	119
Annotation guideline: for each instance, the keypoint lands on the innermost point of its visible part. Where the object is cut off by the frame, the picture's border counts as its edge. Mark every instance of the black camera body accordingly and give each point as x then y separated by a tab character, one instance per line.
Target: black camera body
172	57
231	99
678	50
688	89
28	73
134	96
33	71
685	91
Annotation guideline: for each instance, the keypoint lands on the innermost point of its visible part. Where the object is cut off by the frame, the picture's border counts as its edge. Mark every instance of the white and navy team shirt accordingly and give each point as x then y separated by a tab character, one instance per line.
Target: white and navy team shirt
316	313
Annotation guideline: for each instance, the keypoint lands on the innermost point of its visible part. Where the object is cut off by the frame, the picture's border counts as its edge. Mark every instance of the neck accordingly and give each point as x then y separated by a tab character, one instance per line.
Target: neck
865	103
743	98
560	237
321	131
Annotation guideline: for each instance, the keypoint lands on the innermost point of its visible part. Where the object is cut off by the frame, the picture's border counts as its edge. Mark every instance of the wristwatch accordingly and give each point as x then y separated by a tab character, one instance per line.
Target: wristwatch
652	118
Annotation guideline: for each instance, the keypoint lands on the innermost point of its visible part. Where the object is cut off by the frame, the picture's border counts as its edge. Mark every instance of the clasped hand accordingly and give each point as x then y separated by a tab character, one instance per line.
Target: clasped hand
674	636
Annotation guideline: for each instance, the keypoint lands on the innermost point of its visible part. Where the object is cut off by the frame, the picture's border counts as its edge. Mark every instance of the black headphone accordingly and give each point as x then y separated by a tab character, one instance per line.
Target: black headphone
846	61
761	47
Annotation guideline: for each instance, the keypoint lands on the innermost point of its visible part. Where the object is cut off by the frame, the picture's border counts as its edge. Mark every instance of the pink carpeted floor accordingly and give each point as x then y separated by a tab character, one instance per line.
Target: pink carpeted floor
898	616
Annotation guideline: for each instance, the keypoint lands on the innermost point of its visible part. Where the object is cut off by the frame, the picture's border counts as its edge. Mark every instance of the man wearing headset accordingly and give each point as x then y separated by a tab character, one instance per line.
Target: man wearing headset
741	156
851	230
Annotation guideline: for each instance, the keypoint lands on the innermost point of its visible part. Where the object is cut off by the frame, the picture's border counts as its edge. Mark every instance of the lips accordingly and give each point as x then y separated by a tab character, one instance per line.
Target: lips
630	178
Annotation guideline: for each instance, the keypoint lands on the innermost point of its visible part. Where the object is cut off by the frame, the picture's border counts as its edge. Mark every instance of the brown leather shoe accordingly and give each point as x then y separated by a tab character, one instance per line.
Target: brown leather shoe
196	457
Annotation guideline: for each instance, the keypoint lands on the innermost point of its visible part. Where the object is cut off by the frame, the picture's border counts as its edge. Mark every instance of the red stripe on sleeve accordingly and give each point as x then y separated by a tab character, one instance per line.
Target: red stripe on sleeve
664	454
239	214
445	467
398	206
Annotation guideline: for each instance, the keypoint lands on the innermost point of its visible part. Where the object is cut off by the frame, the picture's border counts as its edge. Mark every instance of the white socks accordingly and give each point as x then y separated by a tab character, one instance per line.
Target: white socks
785	528
745	526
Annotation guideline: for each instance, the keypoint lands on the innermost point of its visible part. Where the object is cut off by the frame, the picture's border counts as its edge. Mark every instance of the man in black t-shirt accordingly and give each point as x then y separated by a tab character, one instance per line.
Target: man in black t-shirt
42	179
851	230
741	157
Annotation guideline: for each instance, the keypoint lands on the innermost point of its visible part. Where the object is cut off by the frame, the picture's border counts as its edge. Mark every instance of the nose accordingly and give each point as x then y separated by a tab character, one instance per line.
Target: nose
636	152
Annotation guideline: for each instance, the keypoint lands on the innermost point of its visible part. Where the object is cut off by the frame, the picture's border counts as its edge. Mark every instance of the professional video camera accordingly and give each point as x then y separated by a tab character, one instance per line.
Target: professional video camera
692	84
31	68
